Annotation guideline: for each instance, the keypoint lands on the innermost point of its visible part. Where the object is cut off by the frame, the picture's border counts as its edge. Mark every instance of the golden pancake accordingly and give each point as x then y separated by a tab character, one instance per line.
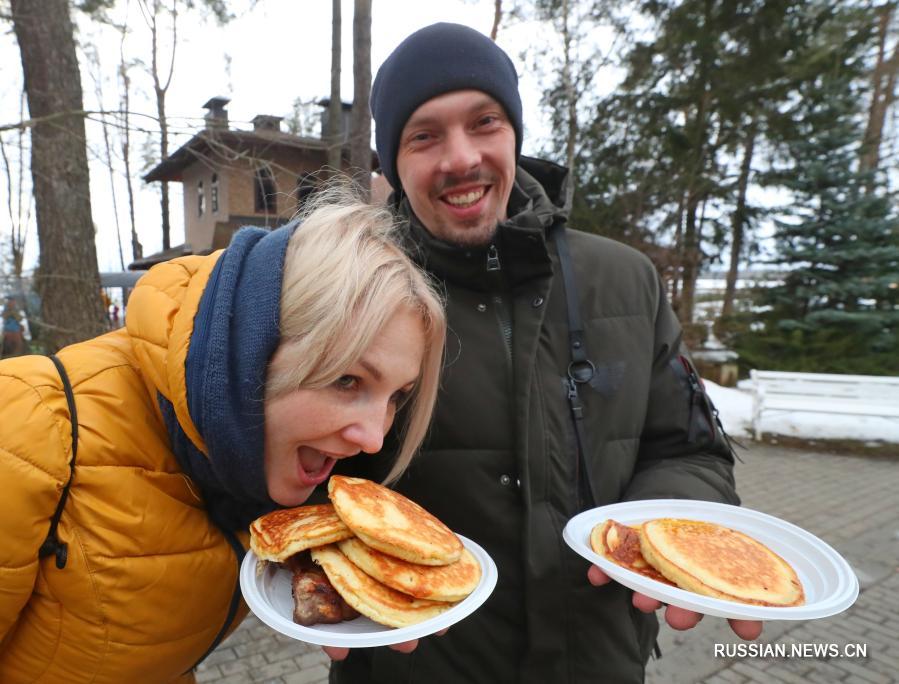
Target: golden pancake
282	533
451	582
371	598
391	523
621	545
713	560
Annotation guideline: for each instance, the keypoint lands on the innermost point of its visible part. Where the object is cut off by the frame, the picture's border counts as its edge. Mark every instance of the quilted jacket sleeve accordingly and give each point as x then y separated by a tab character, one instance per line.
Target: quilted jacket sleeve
35	448
683	452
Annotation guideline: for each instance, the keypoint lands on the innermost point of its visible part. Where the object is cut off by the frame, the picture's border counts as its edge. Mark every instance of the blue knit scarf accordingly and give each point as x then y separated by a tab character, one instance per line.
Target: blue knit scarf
235	334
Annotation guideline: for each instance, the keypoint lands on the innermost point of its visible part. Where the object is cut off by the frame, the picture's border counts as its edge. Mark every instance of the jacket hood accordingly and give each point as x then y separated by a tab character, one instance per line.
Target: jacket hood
160	322
551	181
212	400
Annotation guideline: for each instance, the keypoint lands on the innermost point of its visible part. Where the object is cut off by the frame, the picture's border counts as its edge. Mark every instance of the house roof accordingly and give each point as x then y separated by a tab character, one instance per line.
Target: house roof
226	145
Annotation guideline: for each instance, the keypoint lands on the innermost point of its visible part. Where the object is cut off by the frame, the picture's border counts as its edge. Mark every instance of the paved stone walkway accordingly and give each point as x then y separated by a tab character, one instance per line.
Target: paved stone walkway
849	501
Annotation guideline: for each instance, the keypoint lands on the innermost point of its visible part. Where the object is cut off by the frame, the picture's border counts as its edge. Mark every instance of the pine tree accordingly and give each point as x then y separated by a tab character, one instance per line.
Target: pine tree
669	156
838	307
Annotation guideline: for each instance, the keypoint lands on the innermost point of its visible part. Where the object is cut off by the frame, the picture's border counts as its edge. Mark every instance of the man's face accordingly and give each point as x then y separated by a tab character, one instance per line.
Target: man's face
456	161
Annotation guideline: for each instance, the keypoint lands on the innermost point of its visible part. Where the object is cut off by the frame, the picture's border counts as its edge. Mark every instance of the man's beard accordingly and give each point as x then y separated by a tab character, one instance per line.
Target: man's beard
470	237
476	233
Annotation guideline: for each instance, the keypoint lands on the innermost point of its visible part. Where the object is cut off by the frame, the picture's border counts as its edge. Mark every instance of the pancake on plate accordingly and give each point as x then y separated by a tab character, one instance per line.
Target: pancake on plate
451	582
282	533
716	561
621	545
372	598
391	523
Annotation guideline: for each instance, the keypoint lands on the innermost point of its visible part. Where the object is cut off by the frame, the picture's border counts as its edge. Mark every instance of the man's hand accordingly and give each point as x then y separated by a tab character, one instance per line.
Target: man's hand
677	618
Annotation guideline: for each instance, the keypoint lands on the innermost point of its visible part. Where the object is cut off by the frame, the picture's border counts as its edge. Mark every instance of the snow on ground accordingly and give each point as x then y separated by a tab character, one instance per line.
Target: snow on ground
735	409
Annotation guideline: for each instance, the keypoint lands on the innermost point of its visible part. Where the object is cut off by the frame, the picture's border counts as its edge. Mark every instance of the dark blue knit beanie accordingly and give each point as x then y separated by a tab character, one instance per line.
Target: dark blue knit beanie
432	61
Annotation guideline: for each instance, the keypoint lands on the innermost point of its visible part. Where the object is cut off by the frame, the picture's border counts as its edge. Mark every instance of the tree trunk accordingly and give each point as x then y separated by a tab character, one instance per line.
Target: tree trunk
163	154
883	81
97	75
18	223
335	108
678	258
161	89
696	193
497	17
738	224
360	129
691	262
571	104
67	280
137	249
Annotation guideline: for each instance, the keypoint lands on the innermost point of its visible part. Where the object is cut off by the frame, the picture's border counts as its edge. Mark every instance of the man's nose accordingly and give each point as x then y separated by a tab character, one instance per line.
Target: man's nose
368	428
461	153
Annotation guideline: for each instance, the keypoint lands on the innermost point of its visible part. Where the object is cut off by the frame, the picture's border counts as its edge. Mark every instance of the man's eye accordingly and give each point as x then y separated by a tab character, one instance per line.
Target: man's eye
420	137
346	382
488	119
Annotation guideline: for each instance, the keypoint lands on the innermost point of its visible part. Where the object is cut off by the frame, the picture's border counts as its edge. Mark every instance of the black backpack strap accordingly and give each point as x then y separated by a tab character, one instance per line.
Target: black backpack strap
51	544
580	370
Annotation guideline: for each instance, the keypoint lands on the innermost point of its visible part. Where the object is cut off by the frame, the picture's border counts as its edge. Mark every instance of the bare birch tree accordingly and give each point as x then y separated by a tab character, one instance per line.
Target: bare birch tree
137	249
18	208
97	76
152	11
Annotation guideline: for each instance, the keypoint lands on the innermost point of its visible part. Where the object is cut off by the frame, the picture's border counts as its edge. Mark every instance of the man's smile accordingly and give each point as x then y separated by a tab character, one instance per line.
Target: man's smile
465	198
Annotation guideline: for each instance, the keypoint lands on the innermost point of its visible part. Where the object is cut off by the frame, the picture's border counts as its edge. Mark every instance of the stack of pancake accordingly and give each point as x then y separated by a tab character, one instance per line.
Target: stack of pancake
701	557
385	556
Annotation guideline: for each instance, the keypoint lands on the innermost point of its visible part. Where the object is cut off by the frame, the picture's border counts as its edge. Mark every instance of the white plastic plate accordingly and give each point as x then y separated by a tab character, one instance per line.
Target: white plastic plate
830	584
268	596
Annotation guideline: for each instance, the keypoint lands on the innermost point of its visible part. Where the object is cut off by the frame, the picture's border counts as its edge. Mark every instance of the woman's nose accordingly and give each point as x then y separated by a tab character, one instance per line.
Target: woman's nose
368	429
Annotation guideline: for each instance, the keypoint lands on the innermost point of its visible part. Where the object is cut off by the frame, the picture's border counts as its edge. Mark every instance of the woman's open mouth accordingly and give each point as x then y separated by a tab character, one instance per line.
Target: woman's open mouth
313	467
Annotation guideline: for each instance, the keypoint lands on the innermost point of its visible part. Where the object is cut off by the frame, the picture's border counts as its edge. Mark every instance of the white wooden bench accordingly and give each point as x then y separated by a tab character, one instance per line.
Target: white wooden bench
856	395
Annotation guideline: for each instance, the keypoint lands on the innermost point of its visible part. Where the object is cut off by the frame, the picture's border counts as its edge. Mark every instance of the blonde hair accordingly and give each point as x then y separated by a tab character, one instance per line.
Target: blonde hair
344	278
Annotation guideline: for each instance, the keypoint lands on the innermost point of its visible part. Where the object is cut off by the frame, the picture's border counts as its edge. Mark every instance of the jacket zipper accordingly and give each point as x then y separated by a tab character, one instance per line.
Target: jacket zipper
503	314
699	397
696	397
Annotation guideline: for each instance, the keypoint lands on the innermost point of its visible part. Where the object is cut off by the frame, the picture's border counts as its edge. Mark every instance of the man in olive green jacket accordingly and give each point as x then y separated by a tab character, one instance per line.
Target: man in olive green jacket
506	463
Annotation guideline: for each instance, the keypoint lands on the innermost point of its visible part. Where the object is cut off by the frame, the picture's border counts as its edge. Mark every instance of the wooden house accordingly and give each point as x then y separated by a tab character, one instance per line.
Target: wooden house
233	178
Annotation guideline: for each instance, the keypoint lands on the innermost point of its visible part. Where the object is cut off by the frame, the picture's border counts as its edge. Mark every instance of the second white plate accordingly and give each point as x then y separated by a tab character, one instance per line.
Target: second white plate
829	583
268	596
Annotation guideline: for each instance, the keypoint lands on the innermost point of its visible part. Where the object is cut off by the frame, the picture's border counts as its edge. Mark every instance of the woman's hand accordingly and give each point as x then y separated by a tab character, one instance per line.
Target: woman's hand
677	618
339	653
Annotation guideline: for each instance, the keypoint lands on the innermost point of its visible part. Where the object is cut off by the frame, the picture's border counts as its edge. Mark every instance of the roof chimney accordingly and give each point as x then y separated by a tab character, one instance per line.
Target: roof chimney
346	110
266	122
217	116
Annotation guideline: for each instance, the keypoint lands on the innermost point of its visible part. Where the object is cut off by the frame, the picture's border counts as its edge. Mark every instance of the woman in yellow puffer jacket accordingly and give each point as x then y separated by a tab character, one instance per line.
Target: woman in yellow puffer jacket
225	396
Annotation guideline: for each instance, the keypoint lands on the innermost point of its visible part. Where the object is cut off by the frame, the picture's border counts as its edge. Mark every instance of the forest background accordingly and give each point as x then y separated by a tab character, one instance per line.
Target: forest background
717	136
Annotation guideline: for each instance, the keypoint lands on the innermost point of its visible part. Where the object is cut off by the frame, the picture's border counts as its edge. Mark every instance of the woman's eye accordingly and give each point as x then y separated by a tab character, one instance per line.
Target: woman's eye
346	382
